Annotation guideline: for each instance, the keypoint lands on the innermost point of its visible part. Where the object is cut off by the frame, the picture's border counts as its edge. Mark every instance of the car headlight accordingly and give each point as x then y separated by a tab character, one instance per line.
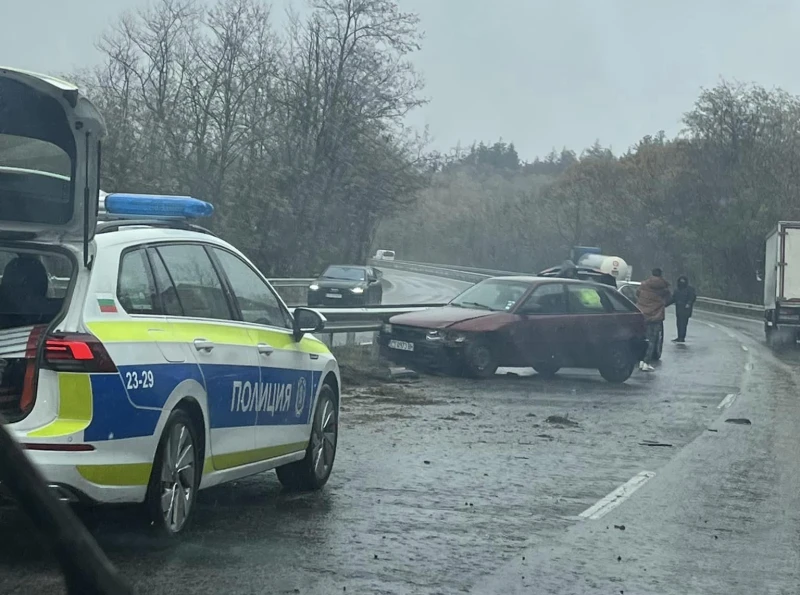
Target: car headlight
456	337
387	329
433	336
357	290
313	287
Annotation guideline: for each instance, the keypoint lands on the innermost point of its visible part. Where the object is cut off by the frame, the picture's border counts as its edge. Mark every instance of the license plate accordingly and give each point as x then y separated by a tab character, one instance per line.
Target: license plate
337	296
401	345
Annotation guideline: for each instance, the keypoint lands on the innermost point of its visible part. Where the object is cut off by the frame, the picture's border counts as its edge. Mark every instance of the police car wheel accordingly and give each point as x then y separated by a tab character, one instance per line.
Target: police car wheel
172	490
313	471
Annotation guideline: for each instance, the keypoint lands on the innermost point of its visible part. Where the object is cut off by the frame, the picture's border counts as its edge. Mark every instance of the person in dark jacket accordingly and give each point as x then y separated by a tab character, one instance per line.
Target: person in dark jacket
683	298
652	298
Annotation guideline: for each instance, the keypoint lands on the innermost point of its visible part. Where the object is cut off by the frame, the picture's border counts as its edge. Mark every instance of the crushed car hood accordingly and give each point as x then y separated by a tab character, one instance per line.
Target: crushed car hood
439	317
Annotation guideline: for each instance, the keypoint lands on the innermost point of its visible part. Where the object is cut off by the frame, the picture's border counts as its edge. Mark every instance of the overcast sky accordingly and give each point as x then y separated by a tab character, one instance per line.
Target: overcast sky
540	73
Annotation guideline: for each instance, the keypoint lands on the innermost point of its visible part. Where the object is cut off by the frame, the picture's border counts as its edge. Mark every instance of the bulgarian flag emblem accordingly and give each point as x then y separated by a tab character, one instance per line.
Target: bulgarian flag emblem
107	305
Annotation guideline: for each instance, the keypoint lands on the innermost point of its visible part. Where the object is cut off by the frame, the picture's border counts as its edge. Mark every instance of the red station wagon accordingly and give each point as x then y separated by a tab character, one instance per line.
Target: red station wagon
538	322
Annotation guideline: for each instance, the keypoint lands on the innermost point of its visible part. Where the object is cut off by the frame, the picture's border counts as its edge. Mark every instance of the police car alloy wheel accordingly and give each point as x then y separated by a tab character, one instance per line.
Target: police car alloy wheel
313	471
173	485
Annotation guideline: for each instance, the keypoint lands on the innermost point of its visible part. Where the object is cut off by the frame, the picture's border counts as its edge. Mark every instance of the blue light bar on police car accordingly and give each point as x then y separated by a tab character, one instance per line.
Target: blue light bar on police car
157	205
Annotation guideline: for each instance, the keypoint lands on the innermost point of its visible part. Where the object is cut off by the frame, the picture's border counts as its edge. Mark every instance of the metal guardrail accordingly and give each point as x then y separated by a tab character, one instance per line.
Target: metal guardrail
370	319
291	282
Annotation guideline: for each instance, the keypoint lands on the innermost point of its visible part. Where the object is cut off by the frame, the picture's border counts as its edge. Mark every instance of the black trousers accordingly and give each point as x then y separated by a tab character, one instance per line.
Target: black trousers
683	322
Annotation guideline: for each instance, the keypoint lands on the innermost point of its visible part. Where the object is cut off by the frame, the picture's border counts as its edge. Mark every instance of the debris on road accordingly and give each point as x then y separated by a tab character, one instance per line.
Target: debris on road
743	421
564	421
620	527
654	443
396	373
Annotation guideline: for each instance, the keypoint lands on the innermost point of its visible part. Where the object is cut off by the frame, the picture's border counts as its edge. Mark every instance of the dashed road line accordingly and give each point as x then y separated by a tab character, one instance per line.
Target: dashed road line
605	505
744	348
727	401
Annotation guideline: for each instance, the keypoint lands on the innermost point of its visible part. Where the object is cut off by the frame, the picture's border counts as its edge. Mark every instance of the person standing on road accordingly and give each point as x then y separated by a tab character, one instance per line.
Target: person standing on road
683	298
652	298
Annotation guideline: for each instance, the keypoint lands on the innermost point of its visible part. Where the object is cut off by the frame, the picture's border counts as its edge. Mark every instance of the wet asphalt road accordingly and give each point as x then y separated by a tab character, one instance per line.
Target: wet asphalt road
451	486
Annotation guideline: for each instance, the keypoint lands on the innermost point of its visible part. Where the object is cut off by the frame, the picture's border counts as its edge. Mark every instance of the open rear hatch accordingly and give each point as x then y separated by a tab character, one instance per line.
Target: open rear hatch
49	159
49	184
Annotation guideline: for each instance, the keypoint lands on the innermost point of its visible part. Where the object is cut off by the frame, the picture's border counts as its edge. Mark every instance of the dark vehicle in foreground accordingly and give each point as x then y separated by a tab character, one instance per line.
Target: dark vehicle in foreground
539	322
347	286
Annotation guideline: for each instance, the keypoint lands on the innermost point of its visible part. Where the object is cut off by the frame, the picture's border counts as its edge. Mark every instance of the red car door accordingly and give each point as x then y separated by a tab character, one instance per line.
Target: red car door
595	322
540	334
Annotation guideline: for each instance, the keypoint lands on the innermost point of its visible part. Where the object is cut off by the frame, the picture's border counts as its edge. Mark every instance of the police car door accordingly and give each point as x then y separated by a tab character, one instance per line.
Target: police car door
222	346
284	402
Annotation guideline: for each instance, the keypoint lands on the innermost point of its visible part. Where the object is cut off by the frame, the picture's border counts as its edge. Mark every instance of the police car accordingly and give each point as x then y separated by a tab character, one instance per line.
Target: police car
164	363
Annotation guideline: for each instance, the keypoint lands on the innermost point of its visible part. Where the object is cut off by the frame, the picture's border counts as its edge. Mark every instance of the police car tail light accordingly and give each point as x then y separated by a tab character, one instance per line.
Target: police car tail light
29	381
77	352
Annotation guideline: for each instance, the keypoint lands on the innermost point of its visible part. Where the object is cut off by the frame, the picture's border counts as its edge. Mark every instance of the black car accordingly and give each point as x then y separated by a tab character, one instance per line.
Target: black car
346	286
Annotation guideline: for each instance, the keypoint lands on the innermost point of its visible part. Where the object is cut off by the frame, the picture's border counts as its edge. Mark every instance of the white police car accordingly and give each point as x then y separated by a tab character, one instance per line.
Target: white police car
165	362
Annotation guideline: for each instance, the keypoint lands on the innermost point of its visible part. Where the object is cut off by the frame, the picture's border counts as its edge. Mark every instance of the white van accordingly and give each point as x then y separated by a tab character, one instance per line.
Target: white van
384	255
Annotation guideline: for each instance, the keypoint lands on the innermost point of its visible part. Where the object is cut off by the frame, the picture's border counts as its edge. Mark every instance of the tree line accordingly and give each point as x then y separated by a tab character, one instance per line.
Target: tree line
699	204
297	137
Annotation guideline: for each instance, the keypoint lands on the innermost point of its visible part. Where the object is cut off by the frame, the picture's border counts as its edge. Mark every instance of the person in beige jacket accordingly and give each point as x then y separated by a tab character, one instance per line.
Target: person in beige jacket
652	298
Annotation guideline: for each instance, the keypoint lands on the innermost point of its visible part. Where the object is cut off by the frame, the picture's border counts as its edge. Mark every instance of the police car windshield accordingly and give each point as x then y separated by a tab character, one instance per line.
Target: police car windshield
344	273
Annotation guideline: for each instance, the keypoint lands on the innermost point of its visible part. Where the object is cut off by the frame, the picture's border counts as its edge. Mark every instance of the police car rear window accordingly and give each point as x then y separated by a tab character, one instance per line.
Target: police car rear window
135	288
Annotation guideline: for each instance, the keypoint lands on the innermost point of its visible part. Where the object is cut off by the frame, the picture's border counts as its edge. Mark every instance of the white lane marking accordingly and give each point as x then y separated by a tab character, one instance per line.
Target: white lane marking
726	402
748	366
711	324
605	505
731	335
744	348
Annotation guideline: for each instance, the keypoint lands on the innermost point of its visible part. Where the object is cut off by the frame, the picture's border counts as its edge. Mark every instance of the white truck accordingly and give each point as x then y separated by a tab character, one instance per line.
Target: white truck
782	284
612	265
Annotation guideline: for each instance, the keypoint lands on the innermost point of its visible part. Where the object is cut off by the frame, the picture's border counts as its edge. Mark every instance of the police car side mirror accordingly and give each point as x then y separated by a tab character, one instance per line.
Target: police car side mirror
307	320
